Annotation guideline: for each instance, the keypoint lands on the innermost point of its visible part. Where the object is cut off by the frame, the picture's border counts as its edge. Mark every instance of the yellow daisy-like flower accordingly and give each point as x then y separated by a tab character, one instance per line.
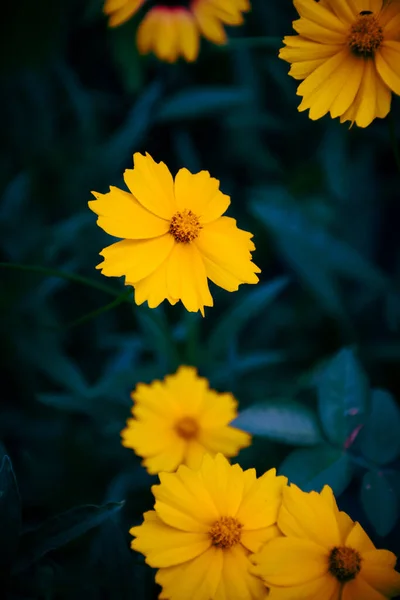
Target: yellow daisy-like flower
205	525
172	28
348	53
179	420
175	236
325	554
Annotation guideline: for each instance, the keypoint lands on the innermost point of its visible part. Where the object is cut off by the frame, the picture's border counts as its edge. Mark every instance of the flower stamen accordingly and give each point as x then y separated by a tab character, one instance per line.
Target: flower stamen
185	226
187	428
344	563
366	35
226	532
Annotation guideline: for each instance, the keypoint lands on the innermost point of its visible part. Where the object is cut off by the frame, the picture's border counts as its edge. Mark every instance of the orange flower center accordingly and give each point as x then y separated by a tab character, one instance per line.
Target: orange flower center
225	532
344	563
366	35
184	226
187	428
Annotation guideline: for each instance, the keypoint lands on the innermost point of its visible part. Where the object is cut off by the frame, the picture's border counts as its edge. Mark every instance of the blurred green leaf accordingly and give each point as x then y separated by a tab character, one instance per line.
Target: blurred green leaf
244	309
10	515
198	102
379	502
343	396
379	439
312	468
126	55
60	530
281	420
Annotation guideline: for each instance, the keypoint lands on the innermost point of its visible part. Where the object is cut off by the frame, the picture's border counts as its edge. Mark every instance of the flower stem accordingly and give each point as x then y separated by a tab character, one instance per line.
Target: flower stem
63	275
393	140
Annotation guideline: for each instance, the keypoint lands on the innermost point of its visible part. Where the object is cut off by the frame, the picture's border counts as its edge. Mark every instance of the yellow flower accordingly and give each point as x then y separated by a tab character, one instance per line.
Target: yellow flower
325	554
348	53
172	28
175	236
180	419
205	525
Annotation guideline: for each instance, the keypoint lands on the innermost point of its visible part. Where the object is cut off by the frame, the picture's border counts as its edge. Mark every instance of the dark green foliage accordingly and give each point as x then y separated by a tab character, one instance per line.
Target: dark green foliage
311	353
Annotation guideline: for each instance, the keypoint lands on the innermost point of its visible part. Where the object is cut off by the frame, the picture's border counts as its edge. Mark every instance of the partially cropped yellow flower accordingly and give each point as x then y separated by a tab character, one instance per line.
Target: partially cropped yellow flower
173	29
178	420
348	53
175	236
325	554
205	525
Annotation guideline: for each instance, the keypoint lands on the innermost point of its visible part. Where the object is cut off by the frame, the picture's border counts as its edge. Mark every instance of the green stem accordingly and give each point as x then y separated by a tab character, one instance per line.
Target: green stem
62	275
125	296
395	146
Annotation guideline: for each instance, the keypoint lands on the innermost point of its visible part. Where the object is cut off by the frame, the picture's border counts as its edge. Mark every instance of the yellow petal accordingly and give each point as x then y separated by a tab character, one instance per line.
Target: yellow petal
372	5
320	78
200	193
300	49
387	62
217	410
224	483
354	71
166	42
165	546
188	34
136	259
359	540
210	26
187	279
291	562
196	579
226	440
153	288
237	580
226	254
147	32
344	10
262	501
121	215
307	515
318	33
324	588
320	15
382	578
359	589
121	11
152	185
186	493
255	539
167	460
301	70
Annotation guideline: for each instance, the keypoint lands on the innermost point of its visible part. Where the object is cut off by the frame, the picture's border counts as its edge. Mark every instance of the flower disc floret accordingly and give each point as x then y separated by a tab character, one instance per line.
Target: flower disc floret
185	226
366	35
344	563
225	532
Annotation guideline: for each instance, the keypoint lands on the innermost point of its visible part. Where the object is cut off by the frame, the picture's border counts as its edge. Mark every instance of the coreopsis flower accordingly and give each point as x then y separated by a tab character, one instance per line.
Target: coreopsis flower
324	554
205	525
174	236
178	420
172	28
348	53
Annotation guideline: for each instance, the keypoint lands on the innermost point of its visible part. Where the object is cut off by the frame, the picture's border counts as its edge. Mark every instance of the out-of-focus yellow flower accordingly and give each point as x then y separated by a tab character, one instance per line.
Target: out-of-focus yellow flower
172	29
348	53
205	525
175	236
324	554
178	420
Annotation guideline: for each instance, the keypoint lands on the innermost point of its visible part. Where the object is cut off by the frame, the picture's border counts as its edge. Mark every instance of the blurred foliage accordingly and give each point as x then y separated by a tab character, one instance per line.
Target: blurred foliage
312	353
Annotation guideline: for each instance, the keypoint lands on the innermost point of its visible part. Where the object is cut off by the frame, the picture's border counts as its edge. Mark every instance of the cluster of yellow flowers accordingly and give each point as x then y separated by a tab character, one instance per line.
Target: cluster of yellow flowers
347	51
218	532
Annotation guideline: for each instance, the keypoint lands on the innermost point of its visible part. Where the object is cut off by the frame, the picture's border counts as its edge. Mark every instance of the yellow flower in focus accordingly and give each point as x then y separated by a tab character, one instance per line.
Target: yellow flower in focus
172	28
180	419
205	525
325	554
348	53
174	236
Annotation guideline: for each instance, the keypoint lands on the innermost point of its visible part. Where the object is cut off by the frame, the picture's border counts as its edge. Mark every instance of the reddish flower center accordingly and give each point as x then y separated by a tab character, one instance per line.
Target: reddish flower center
187	428
344	563
225	532
184	226
366	35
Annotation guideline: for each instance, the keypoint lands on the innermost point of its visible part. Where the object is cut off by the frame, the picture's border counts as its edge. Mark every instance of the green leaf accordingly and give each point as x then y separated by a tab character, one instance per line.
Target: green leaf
60	530
343	396
10	514
201	102
247	307
379	502
312	468
379	439
284	421
126	55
